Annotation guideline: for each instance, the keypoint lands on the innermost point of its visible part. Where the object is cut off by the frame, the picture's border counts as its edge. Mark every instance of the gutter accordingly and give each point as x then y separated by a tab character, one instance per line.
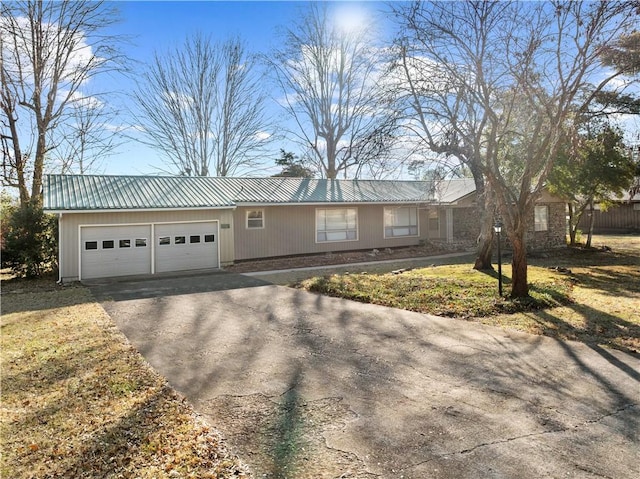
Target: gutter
59	248
141	210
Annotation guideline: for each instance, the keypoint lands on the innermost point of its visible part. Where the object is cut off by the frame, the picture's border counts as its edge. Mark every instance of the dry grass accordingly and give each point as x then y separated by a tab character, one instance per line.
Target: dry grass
597	303
78	401
456	291
605	297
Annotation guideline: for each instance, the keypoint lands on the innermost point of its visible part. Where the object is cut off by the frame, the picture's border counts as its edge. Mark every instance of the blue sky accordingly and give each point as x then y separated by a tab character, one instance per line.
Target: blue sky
162	25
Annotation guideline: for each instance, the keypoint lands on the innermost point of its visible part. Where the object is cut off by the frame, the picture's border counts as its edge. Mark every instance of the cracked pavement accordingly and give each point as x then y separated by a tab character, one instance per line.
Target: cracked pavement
306	386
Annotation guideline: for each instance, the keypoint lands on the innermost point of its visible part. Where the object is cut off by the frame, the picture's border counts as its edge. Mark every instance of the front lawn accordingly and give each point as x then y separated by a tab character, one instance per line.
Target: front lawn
78	401
456	291
585	295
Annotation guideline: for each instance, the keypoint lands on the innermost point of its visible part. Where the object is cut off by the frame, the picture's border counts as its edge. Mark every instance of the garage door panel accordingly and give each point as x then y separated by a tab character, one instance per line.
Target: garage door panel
186	246
115	251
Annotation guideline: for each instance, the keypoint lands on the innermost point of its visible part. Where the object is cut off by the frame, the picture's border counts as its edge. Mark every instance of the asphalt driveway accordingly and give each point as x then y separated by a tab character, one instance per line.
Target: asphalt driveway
305	386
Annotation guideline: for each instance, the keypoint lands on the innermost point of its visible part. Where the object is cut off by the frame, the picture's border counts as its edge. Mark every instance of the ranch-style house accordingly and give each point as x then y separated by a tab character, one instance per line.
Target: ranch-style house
137	225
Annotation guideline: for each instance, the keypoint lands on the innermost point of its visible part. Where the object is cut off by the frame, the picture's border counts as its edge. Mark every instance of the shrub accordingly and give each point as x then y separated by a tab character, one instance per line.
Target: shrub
29	240
578	236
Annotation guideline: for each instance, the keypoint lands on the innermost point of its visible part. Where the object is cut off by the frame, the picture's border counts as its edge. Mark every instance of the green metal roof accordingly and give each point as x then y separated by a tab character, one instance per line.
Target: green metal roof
450	191
103	192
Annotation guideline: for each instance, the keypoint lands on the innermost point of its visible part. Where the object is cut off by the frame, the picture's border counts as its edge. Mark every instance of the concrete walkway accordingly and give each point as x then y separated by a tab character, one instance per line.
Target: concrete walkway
306	386
292	275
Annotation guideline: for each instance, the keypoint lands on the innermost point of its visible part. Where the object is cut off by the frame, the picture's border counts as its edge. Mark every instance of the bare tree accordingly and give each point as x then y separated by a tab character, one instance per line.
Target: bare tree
330	78
90	136
434	109
495	84
202	106
48	53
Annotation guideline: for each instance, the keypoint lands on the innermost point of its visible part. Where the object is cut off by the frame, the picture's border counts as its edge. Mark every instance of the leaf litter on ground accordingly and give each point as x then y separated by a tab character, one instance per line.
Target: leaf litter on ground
79	401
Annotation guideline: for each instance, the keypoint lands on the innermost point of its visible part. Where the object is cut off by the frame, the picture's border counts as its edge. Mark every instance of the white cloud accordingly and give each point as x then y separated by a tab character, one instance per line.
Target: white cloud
16	53
177	98
84	101
263	135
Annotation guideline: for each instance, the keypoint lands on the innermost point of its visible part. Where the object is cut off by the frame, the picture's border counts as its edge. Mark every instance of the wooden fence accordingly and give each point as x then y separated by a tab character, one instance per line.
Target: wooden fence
624	218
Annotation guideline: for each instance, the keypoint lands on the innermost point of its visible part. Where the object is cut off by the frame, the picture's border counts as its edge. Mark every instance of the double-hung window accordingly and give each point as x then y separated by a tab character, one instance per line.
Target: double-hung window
336	224
401	221
541	218
255	219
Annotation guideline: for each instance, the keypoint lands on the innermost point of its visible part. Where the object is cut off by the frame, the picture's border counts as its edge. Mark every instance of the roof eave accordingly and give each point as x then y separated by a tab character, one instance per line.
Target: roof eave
331	203
132	210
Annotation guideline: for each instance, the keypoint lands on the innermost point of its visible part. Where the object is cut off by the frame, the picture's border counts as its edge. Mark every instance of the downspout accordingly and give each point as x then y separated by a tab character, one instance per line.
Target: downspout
59	248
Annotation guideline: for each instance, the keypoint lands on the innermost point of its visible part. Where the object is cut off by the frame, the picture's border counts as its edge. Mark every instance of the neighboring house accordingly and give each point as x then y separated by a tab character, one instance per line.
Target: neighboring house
130	225
622	217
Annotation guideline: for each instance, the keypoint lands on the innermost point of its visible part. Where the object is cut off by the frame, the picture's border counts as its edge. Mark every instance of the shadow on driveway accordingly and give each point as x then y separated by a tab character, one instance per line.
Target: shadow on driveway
311	387
143	287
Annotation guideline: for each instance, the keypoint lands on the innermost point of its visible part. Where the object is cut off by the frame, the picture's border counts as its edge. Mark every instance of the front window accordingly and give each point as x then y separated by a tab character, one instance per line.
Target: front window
336	224
541	218
401	221
255	219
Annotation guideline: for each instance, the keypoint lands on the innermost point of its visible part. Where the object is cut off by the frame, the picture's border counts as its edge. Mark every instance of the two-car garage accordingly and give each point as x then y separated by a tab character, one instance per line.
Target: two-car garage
136	249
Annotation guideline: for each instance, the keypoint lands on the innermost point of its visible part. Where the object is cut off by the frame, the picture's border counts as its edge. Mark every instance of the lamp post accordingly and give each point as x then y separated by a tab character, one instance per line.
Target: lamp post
497	227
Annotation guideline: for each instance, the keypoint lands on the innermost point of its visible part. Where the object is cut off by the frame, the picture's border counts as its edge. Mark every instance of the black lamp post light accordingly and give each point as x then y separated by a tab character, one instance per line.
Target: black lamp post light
497	227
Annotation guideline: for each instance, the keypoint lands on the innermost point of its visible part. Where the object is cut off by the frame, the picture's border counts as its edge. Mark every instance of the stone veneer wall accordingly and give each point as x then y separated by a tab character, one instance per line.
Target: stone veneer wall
466	228
556	234
466	224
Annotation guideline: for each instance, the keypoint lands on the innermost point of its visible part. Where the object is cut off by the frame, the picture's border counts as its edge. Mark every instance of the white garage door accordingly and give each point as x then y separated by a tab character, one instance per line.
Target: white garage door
115	251
186	246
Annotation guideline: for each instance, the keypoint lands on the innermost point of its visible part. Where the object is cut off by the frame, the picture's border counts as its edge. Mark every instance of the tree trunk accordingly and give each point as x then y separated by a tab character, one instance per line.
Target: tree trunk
484	251
591	222
519	281
18	158
38	169
572	226
485	202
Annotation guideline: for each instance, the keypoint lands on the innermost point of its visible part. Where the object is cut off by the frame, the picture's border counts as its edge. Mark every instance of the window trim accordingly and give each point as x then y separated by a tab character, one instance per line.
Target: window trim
346	208
246	219
539	226
396	208
430	231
